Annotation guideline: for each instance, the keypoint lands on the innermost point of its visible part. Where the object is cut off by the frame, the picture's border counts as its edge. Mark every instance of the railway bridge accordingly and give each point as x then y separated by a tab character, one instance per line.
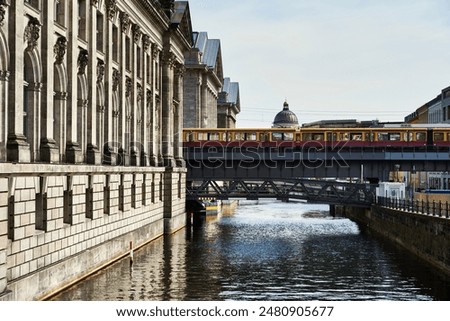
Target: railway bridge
279	163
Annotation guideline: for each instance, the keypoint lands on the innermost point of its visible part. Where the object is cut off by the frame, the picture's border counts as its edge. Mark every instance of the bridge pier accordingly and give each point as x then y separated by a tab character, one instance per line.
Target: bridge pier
333	210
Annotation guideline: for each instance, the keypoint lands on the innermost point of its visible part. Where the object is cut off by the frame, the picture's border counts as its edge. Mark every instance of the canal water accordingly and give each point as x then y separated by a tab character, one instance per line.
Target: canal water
267	250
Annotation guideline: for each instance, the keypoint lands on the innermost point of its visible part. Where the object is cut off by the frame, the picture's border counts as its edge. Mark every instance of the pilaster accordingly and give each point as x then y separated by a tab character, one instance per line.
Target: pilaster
74	152
167	108
48	149
18	149
92	153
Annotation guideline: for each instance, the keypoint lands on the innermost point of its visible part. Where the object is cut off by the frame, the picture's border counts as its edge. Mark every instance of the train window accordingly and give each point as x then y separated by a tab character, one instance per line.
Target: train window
250	136
202	136
389	136
277	136
313	136
438	137
213	136
368	137
356	136
288	136
307	136
421	136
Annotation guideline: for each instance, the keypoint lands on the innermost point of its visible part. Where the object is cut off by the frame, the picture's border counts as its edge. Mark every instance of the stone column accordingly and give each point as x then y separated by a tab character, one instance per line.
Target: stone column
48	148
167	108
73	151
92	152
136	97
178	117
109	147
204	102
4	77
18	150
154	143
123	93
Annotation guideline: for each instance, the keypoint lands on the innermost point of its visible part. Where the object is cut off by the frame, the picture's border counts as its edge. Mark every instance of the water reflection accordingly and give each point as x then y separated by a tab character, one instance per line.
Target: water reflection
268	251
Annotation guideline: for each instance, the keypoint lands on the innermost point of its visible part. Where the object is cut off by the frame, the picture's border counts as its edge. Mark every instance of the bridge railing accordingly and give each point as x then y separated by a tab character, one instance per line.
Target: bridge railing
434	208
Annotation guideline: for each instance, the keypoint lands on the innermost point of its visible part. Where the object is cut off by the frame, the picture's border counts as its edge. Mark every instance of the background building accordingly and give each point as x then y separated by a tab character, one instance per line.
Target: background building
210	100
228	105
285	118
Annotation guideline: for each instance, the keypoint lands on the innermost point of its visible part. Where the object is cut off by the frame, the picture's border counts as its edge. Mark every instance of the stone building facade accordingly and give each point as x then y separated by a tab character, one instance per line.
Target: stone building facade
202	82
91	96
228	104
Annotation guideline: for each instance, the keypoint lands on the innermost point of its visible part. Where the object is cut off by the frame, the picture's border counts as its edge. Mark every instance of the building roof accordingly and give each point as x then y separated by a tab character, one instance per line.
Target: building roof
285	118
210	48
232	90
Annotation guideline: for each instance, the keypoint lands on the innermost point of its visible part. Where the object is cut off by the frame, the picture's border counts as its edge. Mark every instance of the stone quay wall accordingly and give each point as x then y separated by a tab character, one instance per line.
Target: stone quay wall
60	223
428	237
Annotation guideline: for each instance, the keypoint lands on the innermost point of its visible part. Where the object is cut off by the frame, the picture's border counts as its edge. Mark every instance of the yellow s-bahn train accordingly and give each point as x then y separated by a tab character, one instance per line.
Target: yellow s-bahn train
426	135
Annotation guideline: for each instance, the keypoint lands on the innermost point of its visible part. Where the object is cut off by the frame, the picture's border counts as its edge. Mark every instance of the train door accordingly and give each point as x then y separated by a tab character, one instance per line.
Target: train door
429	137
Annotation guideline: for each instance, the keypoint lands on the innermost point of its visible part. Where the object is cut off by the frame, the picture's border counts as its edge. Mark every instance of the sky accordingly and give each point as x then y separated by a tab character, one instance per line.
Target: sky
330	59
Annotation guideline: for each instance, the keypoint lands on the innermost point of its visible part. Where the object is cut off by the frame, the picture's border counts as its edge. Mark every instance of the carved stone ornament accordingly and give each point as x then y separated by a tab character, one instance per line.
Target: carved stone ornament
155	51
4	75
60	49
147	42
61	95
149	97
111	7
83	59
137	33
128	87
168	58
2	14
179	70
139	92
125	20
32	31
100	71
94	3
116	112
115	79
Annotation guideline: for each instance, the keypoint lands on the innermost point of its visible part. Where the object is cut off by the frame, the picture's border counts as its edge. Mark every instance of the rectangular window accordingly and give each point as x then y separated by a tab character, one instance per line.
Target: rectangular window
144	189
90	198
157	75
115	43
100	33
122	194
68	202
60	16
82	21
133	192
34	3
138	62
41	205
107	196
149	70
11	208
128	53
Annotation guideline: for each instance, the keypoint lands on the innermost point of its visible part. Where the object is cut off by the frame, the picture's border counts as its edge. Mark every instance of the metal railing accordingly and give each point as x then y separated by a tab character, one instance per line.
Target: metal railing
430	208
